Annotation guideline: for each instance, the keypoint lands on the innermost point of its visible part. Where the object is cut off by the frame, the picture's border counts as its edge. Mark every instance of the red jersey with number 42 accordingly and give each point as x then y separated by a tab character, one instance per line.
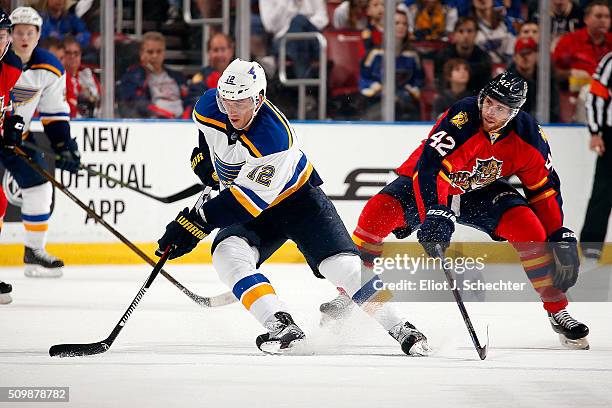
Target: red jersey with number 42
10	71
459	157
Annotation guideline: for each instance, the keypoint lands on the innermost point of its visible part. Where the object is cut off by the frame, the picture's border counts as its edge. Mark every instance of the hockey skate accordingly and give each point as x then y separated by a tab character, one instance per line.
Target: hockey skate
5	293
283	335
336	309
39	264
572	333
413	342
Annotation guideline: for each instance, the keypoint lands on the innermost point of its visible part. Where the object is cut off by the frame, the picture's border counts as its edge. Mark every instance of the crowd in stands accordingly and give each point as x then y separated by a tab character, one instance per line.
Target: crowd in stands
445	50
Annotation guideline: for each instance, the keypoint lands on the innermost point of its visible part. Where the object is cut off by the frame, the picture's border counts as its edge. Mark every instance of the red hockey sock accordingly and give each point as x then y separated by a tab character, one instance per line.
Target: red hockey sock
381	215
524	230
3	203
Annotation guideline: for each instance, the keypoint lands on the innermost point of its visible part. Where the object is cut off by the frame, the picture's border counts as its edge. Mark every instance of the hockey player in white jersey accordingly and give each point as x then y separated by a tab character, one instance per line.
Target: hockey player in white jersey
269	193
42	88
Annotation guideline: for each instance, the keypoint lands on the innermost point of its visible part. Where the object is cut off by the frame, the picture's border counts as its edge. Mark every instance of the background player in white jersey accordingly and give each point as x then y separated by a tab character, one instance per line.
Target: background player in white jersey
269	193
42	88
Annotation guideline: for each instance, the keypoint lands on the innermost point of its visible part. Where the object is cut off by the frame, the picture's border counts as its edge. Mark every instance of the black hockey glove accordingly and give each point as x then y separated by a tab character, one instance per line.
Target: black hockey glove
184	234
12	132
437	229
70	158
567	261
203	168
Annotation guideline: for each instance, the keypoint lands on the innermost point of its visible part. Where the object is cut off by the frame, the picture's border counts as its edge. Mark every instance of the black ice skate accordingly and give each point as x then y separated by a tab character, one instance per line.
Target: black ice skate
283	335
5	293
572	333
39	264
336	309
413	342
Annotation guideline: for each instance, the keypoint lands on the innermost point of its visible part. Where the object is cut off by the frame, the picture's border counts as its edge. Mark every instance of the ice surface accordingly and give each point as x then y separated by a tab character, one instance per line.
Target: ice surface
172	353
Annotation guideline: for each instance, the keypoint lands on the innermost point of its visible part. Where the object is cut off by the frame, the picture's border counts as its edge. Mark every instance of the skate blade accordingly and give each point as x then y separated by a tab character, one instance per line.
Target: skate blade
420	349
296	348
578	344
5	299
36	271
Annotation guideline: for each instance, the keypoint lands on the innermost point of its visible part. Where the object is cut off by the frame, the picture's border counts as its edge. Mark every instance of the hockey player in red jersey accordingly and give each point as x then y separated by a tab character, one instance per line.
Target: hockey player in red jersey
457	175
10	70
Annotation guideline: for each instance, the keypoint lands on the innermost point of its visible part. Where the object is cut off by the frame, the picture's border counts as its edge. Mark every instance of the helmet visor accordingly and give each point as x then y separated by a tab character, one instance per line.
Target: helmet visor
238	106
493	109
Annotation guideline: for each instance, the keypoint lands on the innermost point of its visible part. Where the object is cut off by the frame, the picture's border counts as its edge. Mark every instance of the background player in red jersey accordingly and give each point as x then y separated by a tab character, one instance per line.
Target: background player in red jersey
456	175
10	70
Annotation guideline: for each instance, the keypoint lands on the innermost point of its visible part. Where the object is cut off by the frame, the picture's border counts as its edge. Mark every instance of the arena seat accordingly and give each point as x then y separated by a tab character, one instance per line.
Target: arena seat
344	51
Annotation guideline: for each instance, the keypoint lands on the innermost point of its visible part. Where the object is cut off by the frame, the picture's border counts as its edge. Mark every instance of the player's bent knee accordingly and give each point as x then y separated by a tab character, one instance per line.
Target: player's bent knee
233	259
343	270
37	199
521	224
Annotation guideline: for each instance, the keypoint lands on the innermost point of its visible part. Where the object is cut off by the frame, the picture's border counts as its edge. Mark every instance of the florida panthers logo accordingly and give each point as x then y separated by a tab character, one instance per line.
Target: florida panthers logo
485	172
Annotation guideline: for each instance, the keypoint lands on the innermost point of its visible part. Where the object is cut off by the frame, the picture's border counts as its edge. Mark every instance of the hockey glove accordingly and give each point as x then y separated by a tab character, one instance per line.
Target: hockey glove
184	234
70	158
12	132
203	168
567	262
437	229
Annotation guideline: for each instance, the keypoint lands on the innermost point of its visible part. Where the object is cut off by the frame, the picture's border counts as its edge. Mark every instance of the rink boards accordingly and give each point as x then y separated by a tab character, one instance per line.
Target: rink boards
354	159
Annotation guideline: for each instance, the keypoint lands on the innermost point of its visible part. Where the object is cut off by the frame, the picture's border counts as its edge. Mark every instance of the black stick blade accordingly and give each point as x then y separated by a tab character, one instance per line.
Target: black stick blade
78	350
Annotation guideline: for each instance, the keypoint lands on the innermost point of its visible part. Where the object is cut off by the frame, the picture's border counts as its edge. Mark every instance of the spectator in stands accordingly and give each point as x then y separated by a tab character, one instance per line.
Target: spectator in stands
430	20
373	34
495	32
295	16
456	79
525	63
577	54
58	23
55	47
529	29
150	89
351	15
464	46
82	86
408	81
565	17
220	53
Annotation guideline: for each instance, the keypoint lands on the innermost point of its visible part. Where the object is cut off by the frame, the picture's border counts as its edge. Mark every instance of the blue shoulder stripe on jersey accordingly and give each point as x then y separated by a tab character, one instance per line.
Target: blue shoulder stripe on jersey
270	132
207	113
43	59
35	218
282	119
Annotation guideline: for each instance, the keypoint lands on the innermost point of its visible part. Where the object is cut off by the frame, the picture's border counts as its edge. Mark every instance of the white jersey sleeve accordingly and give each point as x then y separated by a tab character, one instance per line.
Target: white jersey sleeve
265	181
53	104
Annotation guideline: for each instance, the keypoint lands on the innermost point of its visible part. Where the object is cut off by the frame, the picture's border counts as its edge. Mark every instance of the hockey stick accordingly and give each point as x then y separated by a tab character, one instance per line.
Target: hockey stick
188	192
88	349
214	301
482	351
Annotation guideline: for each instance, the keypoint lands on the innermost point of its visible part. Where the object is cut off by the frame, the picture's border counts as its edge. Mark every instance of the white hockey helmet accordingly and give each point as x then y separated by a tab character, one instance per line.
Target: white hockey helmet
26	15
241	80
